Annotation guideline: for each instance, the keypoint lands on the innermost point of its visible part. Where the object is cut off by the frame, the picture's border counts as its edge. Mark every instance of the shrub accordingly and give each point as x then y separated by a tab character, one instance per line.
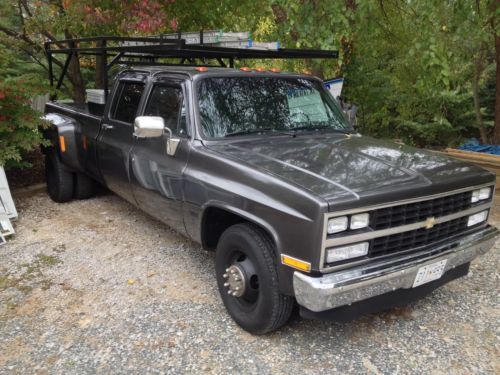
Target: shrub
19	123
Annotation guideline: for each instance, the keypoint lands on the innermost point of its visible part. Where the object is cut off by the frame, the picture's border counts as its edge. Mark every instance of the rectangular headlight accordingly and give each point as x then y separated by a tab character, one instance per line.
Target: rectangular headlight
337	224
477	218
481	194
337	254
360	221
484	193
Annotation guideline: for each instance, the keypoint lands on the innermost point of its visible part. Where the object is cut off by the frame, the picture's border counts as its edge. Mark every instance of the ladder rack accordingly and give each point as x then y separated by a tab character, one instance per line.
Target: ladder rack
222	47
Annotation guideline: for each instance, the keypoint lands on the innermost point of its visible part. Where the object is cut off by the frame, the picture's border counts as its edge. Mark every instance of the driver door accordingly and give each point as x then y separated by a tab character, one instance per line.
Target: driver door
156	177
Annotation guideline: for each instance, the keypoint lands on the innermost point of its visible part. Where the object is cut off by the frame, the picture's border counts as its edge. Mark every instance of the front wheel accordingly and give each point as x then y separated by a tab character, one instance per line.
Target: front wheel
248	281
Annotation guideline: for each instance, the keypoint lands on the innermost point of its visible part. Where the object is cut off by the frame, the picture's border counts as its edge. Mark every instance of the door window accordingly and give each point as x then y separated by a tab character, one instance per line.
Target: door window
167	102
126	102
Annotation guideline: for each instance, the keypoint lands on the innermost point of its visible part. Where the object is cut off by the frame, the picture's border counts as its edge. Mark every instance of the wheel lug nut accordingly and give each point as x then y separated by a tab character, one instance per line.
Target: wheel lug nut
237	288
225	275
229	291
234	294
226	284
227	269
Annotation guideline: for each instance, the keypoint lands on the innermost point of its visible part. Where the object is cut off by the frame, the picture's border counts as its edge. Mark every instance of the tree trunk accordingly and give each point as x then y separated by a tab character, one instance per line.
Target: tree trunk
75	74
77	80
497	90
478	71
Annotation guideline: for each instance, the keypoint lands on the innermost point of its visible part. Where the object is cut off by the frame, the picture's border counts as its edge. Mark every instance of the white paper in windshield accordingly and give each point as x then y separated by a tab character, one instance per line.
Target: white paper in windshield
306	106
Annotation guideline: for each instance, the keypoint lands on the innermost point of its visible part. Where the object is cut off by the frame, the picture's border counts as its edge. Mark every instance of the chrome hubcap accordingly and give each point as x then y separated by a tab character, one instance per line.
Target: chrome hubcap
234	281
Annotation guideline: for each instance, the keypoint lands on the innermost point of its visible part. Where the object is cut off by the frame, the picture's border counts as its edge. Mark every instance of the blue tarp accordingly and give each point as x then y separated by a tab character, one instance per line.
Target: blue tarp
474	145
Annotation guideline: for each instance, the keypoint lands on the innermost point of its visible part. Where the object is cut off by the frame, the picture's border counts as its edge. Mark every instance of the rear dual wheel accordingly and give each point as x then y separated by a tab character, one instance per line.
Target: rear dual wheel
62	184
248	280
59	180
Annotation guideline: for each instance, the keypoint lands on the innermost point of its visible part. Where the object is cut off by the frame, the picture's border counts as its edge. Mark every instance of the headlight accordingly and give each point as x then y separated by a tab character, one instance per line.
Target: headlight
481	194
336	254
360	221
341	223
477	218
337	224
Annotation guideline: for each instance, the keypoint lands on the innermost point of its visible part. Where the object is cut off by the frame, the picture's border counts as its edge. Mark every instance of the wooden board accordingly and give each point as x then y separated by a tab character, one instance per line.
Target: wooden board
487	161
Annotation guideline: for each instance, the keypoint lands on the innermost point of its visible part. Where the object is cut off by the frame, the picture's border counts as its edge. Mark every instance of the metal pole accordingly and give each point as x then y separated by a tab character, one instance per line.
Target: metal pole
65	68
104	63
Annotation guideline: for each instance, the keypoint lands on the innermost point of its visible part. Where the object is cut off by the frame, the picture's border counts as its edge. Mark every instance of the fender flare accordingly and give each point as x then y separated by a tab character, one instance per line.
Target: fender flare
63	136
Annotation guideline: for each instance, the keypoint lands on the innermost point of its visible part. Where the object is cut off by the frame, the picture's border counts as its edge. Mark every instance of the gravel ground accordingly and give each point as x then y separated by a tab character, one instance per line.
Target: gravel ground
97	286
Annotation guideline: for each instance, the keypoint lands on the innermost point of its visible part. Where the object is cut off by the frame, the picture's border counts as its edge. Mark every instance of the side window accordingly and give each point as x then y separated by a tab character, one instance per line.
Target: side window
167	102
126	102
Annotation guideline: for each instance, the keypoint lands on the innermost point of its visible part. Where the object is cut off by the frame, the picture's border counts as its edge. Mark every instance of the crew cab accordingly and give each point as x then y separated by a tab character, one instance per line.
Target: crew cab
263	168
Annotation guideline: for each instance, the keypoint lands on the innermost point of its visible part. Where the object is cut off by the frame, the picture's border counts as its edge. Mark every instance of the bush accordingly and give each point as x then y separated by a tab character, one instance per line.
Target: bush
19	123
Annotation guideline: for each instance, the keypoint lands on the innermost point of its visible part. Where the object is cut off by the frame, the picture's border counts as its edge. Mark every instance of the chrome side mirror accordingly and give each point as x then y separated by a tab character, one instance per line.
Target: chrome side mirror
148	126
172	143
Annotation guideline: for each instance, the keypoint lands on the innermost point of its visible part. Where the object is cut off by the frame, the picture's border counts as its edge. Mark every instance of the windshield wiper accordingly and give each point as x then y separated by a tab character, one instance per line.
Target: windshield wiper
319	127
256	131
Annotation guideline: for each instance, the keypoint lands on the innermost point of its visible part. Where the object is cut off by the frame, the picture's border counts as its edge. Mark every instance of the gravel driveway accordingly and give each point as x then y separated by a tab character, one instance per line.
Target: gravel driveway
97	286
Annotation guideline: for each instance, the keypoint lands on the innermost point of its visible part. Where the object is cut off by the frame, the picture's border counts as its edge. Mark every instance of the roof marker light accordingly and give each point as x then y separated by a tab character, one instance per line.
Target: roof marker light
246	69
275	70
201	68
260	69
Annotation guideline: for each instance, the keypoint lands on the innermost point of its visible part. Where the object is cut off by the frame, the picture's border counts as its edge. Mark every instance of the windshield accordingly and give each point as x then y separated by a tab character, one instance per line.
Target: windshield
252	105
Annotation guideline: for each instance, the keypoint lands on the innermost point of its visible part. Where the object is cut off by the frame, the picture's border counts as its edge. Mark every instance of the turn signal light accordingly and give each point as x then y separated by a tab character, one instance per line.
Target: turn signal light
62	143
296	263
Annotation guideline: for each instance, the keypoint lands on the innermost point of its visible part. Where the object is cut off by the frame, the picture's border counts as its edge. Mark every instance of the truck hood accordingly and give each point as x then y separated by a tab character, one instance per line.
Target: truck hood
342	168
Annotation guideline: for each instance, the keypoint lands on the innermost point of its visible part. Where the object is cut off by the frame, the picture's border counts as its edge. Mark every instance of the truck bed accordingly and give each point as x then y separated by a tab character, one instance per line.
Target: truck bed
86	109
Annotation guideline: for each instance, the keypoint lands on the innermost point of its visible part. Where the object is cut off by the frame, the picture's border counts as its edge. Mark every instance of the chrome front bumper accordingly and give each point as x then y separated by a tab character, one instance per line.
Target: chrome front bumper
356	284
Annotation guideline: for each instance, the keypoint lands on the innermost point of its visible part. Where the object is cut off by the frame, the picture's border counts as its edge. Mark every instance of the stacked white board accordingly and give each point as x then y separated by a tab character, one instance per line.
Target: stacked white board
8	210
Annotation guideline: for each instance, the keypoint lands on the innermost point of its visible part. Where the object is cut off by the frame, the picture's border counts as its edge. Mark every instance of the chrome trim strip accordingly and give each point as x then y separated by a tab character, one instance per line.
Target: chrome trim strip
403	228
328	242
359	283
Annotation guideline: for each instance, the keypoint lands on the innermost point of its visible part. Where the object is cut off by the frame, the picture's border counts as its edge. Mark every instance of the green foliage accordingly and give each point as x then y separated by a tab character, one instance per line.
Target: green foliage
409	65
19	124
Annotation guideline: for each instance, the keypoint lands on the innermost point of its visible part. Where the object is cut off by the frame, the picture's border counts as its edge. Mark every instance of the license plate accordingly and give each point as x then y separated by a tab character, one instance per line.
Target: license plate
429	273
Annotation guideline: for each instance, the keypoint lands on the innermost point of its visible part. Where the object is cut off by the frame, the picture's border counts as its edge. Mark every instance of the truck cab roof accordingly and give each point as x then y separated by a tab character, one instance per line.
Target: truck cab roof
194	71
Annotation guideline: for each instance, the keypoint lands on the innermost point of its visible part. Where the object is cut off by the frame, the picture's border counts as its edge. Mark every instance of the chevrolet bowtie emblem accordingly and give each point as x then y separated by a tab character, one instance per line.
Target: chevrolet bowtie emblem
430	222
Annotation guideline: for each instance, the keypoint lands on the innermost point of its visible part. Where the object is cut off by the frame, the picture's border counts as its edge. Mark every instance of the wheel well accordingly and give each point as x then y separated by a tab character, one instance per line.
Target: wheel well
215	221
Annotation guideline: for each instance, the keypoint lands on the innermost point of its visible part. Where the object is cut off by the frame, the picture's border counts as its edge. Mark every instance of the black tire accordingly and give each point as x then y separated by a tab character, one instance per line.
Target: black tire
260	309
59	179
84	186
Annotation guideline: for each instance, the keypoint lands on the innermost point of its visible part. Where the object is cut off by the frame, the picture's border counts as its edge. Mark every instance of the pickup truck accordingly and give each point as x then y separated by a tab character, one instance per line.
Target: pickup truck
263	168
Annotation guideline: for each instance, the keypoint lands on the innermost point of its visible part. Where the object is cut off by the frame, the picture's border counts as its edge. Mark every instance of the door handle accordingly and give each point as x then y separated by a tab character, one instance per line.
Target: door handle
107	126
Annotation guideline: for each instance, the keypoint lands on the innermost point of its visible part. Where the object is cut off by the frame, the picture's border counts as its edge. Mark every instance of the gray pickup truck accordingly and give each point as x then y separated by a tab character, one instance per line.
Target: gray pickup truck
263	168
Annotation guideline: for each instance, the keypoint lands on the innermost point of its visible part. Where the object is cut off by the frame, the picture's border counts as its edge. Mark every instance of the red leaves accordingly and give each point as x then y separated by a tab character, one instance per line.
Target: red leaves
173	24
2	95
146	16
